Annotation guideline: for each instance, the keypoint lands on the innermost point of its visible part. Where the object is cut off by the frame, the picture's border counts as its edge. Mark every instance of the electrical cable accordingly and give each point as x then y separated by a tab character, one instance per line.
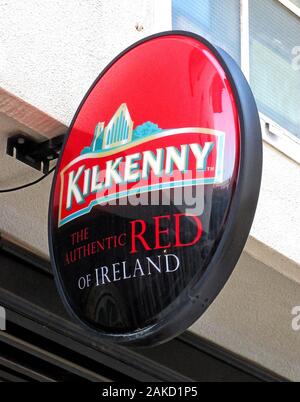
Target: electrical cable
10	190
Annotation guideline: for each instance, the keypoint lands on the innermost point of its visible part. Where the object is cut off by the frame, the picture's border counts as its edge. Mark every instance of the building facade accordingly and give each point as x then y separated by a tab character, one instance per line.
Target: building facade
51	52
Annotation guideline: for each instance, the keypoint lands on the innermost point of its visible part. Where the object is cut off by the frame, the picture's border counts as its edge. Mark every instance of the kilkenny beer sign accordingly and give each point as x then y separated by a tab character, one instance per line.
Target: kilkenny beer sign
155	190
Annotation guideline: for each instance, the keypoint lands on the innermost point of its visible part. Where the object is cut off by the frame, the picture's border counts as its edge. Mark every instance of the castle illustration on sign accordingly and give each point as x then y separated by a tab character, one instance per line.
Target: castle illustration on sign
118	132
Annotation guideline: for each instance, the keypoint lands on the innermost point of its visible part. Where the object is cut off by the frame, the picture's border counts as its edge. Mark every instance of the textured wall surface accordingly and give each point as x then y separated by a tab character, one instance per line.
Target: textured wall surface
252	317
51	51
277	220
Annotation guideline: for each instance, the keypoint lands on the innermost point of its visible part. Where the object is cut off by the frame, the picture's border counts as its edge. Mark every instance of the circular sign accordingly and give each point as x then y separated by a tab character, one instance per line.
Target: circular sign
155	190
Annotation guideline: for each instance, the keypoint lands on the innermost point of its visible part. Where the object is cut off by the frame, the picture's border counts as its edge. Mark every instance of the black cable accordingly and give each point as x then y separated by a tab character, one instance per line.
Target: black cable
10	190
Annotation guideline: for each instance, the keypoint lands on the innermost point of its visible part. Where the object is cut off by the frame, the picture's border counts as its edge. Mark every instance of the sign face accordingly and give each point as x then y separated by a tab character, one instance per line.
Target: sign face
155	190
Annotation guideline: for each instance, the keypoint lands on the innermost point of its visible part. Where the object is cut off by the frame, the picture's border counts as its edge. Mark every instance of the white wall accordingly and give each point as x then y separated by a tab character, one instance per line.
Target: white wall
277	220
252	317
51	51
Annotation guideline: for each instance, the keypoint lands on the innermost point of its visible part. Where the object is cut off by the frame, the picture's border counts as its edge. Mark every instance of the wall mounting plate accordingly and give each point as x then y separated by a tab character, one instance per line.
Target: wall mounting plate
37	154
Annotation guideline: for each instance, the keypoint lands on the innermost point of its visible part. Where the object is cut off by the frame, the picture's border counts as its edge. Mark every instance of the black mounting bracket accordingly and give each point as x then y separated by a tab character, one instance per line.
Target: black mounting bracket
34	153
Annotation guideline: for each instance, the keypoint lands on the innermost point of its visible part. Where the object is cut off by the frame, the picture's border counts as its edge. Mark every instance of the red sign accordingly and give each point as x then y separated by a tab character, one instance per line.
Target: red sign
150	186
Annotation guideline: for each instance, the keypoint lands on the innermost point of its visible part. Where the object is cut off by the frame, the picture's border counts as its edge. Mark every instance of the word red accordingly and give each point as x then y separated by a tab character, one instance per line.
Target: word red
139	229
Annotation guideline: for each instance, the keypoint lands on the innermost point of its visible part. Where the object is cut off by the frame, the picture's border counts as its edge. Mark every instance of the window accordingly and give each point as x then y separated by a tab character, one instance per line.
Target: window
270	56
217	20
274	81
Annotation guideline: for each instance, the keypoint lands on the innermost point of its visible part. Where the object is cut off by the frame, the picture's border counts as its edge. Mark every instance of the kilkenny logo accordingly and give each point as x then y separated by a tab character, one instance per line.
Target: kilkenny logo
123	161
119	132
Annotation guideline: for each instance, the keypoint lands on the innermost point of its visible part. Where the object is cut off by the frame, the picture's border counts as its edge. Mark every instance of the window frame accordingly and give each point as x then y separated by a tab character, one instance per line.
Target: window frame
273	133
291	6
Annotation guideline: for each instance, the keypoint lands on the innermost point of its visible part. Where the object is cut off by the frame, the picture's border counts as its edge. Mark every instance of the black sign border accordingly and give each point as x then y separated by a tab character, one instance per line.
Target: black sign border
200	294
